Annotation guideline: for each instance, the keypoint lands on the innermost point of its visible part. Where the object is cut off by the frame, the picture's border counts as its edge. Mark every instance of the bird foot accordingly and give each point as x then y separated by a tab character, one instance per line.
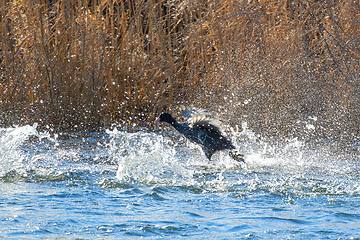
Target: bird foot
237	156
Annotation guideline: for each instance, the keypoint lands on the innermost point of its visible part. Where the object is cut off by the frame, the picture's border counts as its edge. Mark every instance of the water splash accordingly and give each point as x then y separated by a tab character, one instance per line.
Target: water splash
11	158
23	158
292	168
29	155
166	158
146	157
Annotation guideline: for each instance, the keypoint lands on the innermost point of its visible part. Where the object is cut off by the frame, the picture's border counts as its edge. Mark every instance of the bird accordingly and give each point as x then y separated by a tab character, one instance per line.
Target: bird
202	128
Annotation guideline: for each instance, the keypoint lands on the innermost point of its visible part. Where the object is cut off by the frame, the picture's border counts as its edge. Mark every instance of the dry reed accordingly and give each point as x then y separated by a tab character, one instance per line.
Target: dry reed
275	64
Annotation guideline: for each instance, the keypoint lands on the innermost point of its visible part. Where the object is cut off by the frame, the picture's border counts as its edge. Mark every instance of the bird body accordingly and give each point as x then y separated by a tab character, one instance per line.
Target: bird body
202	130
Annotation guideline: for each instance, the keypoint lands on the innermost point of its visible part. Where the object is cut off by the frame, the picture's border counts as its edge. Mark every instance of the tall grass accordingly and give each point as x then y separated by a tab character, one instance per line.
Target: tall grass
83	64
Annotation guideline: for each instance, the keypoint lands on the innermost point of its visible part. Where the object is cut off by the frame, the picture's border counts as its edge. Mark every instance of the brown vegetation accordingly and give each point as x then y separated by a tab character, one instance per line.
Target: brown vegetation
274	64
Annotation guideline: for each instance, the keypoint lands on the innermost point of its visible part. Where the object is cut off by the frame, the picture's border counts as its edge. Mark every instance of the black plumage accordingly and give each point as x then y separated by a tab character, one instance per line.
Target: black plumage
201	128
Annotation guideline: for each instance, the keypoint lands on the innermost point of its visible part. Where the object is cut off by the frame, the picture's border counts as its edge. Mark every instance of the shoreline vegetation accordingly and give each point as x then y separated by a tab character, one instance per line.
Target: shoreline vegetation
286	67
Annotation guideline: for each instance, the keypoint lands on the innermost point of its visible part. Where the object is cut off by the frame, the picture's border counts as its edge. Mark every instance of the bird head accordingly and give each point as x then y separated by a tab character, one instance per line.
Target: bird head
165	117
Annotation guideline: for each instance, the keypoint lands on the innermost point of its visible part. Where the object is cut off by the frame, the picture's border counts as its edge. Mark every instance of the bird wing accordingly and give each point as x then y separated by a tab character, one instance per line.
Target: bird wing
205	123
190	112
193	115
201	119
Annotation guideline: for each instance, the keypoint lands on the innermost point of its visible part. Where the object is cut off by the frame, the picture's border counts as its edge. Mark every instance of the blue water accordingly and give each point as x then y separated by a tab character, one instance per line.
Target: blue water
118	185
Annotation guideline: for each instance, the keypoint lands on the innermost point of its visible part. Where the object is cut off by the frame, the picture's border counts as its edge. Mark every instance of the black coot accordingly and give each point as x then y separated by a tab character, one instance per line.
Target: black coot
201	128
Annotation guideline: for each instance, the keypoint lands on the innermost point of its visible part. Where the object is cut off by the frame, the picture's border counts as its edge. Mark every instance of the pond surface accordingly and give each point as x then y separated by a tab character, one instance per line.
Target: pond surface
119	185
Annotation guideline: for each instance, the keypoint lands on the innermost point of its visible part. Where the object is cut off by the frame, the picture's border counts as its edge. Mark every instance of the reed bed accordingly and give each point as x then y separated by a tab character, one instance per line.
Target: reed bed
277	65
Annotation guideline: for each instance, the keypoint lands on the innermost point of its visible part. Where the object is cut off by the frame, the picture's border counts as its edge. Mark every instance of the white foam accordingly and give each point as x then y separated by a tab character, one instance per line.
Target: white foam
11	138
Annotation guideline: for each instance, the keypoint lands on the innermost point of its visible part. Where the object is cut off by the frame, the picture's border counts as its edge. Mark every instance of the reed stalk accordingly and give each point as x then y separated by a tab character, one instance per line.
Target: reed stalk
86	64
